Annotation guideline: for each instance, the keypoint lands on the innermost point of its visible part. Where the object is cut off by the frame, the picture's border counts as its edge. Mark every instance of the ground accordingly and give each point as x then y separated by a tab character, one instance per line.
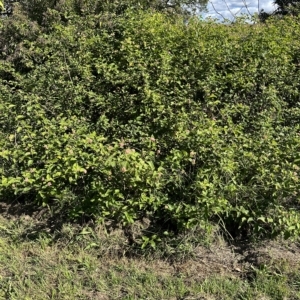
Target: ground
41	258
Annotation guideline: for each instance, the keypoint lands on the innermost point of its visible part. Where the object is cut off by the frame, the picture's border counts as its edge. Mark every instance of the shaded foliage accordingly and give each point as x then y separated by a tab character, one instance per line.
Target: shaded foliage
287	7
284	8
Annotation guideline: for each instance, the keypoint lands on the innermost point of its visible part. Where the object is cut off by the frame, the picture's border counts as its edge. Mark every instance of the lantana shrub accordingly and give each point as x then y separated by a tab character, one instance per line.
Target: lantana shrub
125	116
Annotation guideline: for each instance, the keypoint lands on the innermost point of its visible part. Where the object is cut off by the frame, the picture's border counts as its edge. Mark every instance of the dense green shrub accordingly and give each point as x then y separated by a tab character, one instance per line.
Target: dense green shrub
143	115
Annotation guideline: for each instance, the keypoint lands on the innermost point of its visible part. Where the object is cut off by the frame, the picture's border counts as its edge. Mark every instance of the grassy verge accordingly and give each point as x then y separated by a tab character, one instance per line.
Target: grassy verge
80	262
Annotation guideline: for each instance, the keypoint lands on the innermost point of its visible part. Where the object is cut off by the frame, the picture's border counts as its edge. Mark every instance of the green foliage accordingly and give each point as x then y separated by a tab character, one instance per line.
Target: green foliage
35	10
140	115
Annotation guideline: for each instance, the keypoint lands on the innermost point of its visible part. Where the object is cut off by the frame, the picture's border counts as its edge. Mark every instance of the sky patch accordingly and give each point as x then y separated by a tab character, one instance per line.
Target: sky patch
229	9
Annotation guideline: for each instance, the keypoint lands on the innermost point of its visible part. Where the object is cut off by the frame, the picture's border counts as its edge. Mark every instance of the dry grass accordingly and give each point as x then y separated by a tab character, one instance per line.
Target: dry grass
81	262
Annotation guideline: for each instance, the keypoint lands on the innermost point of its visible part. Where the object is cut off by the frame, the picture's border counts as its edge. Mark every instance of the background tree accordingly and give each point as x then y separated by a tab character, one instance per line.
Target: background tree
287	7
284	7
35	9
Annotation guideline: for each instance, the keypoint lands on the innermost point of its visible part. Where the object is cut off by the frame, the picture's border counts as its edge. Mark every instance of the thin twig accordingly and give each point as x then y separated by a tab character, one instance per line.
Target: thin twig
234	16
216	10
246	5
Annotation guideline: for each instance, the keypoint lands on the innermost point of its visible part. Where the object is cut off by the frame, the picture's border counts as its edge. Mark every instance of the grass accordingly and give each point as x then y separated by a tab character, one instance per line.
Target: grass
80	262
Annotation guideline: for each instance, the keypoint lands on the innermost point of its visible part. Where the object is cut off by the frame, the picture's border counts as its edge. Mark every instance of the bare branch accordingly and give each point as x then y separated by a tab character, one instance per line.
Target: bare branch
246	5
216	10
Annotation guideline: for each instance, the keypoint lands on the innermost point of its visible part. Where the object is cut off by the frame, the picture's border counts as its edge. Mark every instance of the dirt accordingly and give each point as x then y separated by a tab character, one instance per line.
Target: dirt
241	260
